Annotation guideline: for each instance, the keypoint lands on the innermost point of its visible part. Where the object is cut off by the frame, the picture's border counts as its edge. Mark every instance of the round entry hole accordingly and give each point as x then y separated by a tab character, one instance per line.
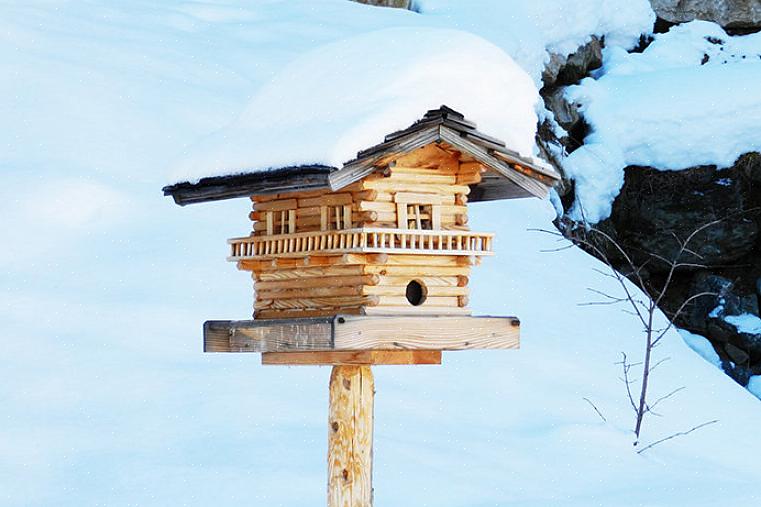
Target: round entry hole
416	293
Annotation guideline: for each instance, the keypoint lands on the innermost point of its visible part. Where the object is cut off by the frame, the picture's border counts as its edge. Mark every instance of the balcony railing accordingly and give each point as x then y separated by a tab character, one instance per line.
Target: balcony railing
365	240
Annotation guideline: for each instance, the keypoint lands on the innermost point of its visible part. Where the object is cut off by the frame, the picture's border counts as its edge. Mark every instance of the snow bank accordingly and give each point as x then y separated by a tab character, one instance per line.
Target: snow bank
537	29
343	97
701	346
754	386
745	323
691	98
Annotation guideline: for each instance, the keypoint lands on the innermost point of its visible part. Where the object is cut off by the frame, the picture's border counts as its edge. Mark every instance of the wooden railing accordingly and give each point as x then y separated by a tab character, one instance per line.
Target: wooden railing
365	240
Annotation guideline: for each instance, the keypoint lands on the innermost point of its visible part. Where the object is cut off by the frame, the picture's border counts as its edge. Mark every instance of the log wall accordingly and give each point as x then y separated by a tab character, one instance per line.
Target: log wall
427	188
425	176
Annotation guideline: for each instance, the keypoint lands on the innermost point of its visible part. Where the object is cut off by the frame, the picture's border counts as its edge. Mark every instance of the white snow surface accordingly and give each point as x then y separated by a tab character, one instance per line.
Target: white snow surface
106	396
745	323
701	346
346	96
754	386
666	108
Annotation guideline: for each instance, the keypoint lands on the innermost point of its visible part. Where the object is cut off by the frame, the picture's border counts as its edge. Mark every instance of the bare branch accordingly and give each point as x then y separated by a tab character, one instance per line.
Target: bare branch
665	397
596	410
677	434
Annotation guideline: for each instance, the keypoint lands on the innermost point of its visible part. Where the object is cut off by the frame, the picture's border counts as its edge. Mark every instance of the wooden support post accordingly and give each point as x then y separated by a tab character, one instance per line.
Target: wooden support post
350	437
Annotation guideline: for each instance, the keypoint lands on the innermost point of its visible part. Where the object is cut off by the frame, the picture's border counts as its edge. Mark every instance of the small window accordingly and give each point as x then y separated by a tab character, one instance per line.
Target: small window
335	217
420	216
416	293
281	222
418	211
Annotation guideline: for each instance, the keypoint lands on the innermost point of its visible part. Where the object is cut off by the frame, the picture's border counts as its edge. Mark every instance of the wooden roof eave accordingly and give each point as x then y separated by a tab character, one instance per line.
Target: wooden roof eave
483	156
218	188
357	169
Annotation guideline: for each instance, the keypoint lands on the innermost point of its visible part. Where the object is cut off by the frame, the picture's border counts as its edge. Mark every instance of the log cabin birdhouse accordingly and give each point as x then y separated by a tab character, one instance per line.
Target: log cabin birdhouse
367	264
386	234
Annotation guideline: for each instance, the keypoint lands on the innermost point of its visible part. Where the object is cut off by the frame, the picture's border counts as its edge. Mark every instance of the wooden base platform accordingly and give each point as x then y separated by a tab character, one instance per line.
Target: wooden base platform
361	339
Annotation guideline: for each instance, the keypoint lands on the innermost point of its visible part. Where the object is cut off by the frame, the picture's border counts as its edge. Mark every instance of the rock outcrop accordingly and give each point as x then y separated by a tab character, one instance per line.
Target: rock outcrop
655	210
735	16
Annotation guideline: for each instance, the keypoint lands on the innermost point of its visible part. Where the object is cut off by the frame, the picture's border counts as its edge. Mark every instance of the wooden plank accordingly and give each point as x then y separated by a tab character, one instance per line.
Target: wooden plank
354	357
401	215
326	200
396	168
429	156
272	335
391	186
429	281
316	302
291	274
323	218
414	271
291	221
401	290
417	198
267	315
333	281
270	224
363	333
415	311
313	292
436	217
347	259
432	178
350	436
347	218
438	333
278	205
442	301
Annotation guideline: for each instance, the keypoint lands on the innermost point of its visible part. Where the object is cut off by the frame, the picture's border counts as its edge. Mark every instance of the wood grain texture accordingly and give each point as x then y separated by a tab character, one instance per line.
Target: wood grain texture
350	437
363	333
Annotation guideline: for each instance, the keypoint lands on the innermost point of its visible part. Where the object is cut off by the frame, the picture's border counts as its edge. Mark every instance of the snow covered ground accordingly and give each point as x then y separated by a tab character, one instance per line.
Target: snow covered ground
106	397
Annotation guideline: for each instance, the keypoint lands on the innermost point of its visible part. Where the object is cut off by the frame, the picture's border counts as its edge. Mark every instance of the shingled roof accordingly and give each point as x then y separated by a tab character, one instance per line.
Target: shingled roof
511	175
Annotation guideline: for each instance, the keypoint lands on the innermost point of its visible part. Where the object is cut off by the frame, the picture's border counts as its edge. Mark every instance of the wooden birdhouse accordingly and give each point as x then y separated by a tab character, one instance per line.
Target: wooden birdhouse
369	263
386	234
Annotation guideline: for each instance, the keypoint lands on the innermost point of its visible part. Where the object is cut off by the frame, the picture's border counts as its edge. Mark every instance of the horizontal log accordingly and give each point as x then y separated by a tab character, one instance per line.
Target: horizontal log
386	185
333	281
429	301
278	205
308	272
268	315
407	311
316	302
429	281
310	292
401	290
326	200
422	171
432	178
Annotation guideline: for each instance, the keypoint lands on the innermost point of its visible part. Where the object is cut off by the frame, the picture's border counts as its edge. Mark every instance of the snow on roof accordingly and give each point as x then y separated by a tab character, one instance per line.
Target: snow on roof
345	96
691	98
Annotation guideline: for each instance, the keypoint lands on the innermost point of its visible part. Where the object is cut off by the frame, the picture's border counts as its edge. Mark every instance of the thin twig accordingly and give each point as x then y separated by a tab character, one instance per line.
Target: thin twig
596	410
678	434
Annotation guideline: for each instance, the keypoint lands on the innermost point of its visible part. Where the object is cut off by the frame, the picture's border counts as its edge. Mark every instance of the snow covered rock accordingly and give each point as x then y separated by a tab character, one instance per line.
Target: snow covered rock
656	207
740	15
569	69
